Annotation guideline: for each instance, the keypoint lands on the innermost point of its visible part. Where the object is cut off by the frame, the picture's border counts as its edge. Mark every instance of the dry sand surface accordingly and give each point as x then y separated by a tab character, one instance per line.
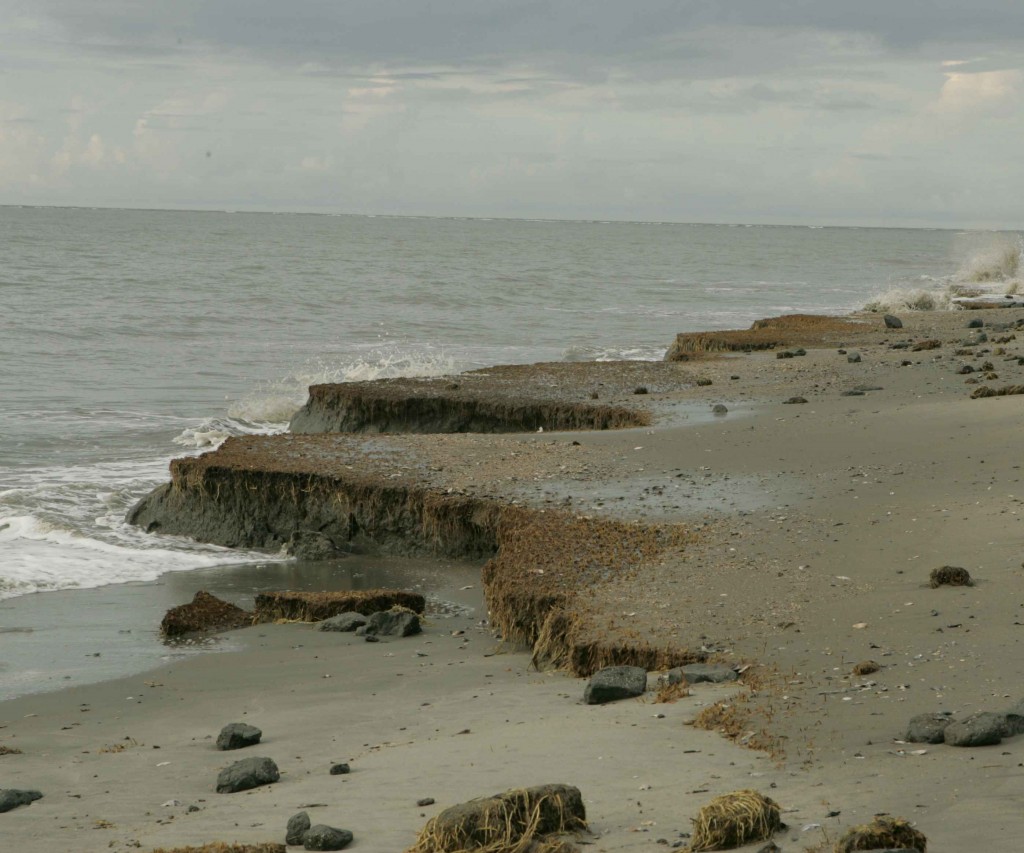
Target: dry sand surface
819	525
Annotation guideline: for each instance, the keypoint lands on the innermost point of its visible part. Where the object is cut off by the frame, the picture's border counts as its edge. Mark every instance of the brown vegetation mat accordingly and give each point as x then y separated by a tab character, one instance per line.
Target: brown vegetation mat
883	833
735	819
222	847
205	613
806	330
317	606
536	588
512	822
949	576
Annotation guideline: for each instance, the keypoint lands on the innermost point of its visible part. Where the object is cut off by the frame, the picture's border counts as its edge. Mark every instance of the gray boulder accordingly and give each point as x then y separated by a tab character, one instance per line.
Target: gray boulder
695	673
247	773
981	729
892	322
1015	719
343	622
615	682
296	829
11	798
396	622
323	837
927	728
853	357
313	545
238	736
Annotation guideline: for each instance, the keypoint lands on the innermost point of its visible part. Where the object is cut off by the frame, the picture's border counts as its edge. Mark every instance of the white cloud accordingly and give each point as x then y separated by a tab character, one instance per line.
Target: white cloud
978	91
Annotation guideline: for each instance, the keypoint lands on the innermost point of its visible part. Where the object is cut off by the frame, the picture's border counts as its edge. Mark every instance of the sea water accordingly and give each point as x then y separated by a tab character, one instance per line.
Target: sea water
128	337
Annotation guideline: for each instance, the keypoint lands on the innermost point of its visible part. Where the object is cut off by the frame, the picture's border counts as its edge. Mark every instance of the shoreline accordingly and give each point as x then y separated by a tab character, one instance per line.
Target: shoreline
839	508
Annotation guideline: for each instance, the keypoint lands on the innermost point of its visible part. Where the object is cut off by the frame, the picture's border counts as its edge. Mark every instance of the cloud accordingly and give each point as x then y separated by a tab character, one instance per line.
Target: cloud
978	92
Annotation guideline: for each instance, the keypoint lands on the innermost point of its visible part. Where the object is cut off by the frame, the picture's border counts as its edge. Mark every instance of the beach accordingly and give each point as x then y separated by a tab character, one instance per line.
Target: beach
815	528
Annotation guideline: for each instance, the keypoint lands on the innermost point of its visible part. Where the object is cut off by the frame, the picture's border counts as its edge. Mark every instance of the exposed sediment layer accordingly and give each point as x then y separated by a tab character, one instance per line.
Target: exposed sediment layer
380	495
505	398
792	330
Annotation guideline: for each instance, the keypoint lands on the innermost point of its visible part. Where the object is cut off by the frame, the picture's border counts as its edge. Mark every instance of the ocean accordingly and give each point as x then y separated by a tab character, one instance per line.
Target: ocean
129	337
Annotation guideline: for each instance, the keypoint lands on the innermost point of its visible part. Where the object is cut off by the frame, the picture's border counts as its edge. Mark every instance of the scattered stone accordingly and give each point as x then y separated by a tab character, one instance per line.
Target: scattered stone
853	358
932	343
11	798
1015	719
770	847
927	728
949	576
323	837
396	622
852	393
340	769
792	401
892	322
976	323
719	409
204	612
703	382
370	638
1005	391
640	389
426	801
615	682
964	369
238	736
297	826
695	673
982	729
343	622
784	354
866	667
247	773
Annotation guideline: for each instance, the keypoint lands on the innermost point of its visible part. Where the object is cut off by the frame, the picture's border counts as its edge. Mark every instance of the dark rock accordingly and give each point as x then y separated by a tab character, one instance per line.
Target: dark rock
238	736
426	801
770	847
964	369
784	354
370	638
297	826
792	401
703	383
931	343
340	769
927	728
396	622
981	729
1015	719
949	576
313	545
204	612
976	323
11	798
695	673
851	393
247	773
615	682
343	622
640	389
800	351
892	322
853	357
323	837
719	409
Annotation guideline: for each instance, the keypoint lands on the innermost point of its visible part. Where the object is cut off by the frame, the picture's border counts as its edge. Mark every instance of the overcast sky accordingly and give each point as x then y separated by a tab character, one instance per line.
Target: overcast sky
891	112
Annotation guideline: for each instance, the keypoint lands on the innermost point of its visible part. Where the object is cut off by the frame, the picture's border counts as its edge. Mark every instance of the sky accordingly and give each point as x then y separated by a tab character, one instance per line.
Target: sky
870	112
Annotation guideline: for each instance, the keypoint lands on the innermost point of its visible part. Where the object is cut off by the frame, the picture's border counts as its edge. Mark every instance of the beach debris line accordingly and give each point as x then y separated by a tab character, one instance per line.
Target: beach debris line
1005	391
615	682
12	798
247	773
735	819
204	613
883	833
238	736
510	822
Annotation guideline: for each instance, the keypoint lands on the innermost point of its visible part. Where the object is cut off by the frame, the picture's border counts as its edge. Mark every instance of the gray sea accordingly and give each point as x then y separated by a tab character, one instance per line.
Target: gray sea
128	337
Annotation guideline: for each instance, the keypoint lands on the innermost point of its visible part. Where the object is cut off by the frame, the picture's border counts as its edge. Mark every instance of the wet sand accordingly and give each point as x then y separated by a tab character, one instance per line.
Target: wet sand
818	526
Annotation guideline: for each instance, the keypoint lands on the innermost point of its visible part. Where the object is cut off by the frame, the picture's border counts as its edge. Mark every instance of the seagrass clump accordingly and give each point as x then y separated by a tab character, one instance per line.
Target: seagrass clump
222	847
511	822
949	576
732	820
883	833
204	613
317	606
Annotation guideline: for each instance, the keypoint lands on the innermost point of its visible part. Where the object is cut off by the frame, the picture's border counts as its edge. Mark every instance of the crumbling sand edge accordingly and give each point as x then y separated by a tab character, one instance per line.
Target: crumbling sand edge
542	562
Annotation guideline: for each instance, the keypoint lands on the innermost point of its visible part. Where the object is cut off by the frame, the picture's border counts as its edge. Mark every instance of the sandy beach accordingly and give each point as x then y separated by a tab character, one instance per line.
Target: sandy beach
815	528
